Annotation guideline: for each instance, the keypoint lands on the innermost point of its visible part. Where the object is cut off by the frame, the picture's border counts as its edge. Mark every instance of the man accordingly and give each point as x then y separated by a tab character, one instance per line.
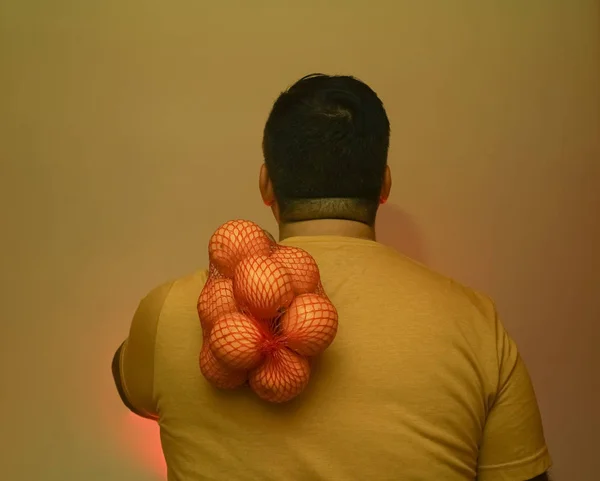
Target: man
422	381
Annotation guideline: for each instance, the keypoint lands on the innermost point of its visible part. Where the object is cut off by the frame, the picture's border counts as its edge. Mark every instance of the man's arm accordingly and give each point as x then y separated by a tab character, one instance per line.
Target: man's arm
116	372
133	363
513	445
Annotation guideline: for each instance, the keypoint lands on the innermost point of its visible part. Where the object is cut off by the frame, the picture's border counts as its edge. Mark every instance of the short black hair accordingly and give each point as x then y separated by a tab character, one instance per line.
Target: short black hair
325	145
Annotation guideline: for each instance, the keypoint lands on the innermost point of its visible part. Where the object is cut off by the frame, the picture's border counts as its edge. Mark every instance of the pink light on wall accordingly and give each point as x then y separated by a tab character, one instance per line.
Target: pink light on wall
142	438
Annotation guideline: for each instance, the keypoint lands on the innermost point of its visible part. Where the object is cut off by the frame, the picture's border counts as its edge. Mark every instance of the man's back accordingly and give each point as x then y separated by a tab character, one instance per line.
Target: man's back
421	383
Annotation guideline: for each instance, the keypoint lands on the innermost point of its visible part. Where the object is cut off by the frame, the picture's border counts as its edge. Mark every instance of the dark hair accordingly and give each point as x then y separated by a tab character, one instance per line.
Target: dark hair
325	146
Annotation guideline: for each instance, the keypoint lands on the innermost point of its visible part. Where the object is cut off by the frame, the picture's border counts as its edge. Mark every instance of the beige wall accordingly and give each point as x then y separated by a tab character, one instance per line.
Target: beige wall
118	119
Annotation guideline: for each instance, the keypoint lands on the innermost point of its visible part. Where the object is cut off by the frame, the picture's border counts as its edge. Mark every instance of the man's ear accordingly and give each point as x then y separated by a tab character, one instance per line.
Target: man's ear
267	192
266	186
386	186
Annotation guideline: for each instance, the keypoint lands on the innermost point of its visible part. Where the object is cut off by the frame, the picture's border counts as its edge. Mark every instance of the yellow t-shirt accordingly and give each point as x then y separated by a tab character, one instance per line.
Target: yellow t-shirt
421	383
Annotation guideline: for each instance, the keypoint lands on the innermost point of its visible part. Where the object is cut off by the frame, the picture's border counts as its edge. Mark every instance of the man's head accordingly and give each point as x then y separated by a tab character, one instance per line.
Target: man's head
325	146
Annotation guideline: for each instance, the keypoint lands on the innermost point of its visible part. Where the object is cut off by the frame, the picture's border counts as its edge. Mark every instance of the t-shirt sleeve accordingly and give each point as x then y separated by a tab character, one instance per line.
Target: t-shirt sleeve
137	353
513	446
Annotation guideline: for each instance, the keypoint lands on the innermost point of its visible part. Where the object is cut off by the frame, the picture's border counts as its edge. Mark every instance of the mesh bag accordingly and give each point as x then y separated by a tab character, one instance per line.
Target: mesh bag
264	313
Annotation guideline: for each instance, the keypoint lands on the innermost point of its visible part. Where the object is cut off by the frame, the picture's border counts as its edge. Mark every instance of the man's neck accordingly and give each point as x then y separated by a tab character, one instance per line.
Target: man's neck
334	227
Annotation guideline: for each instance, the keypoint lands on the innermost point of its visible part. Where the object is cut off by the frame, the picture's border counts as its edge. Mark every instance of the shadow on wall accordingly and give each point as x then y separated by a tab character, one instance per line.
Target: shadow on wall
399	230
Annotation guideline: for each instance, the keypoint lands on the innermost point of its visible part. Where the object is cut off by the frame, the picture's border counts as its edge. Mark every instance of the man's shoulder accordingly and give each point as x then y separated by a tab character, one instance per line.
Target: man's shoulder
176	290
194	280
447	291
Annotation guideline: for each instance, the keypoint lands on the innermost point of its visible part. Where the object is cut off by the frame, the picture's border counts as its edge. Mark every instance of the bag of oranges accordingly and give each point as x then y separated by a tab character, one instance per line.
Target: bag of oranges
264	313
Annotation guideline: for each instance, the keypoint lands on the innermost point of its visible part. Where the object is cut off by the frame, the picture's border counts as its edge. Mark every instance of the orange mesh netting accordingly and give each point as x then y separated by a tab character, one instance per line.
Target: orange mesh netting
264	313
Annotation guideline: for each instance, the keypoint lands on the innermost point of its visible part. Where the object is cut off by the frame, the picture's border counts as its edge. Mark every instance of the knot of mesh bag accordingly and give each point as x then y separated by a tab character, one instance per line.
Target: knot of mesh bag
263	313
